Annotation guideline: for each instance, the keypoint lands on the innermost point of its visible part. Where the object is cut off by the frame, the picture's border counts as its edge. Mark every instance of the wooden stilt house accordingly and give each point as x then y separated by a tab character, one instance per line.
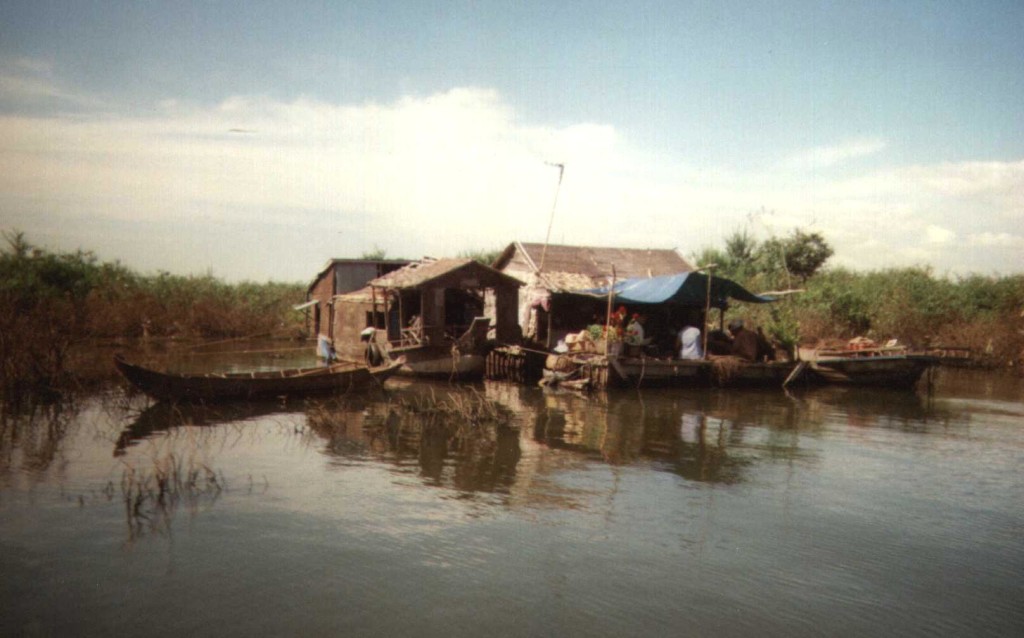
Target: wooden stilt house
431	312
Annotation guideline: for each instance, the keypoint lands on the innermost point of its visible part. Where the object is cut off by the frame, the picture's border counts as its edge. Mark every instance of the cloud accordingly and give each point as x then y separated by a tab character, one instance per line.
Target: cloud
938	235
457	170
828	156
996	240
27	82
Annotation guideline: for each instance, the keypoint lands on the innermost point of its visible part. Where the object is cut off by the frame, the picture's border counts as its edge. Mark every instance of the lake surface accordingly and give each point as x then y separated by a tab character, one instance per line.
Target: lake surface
829	511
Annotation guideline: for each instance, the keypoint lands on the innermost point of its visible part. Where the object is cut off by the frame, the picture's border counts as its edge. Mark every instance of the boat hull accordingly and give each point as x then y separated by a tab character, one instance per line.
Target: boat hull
440	363
603	371
335	379
726	372
895	371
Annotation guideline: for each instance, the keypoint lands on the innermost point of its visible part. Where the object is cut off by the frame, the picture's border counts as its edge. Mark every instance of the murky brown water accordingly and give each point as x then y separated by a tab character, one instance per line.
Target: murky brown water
712	513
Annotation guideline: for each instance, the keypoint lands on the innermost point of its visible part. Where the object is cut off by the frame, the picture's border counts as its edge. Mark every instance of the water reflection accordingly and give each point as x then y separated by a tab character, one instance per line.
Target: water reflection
31	437
714	436
162	417
453	450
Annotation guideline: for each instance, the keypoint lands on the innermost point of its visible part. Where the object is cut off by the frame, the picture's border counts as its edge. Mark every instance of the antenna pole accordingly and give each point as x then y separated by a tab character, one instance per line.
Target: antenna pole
551	221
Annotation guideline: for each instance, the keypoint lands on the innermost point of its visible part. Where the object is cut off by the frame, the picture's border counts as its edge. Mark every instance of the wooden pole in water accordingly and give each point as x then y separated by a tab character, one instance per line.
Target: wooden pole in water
548	340
707	311
608	318
373	312
401	315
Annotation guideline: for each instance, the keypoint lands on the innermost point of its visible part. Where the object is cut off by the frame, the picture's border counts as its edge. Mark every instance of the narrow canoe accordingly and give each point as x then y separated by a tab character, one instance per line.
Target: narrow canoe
295	382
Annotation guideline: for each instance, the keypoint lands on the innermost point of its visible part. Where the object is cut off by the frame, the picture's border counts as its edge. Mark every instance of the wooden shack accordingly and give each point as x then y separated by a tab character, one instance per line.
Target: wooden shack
549	269
340	276
431	312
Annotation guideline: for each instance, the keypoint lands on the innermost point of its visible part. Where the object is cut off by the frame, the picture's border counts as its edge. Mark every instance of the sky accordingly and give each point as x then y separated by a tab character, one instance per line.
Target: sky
257	140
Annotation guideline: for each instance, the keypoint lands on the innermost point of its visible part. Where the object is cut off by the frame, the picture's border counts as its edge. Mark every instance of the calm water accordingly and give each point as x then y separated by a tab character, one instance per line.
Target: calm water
705	513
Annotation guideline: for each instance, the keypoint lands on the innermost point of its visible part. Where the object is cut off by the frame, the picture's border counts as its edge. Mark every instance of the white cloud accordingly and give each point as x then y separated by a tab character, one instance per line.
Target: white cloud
938	235
997	240
26	81
827	156
456	170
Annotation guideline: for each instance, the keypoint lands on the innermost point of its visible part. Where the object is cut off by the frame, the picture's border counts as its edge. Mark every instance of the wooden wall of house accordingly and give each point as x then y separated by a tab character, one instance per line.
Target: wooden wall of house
432	307
322	291
349	321
506	315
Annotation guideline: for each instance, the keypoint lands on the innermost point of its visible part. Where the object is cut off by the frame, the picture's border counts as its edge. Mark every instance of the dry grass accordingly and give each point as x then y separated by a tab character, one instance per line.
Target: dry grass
153	493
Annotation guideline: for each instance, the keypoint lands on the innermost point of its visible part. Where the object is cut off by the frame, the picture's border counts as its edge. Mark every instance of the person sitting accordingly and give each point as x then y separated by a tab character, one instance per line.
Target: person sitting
744	342
719	343
688	343
765	349
635	340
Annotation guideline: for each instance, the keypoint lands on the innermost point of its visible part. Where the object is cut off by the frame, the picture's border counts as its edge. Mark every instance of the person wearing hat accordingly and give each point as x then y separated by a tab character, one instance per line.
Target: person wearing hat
744	342
371	351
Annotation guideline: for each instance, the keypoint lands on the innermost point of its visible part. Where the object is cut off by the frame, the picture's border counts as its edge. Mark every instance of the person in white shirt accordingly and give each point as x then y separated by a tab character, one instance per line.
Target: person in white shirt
689	344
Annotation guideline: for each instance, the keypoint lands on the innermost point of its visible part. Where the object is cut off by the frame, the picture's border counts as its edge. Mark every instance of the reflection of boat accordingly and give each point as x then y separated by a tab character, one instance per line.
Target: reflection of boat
876	366
333	379
163	416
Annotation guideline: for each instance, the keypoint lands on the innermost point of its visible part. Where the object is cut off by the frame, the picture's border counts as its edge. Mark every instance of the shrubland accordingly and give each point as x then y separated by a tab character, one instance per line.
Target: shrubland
912	304
51	302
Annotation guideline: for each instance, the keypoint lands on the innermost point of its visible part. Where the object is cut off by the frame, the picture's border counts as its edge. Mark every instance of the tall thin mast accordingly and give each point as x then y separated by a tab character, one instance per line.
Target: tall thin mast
551	221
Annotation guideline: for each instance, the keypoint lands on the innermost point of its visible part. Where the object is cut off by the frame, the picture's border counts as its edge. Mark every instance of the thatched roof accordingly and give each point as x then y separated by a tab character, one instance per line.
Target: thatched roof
456	272
561	267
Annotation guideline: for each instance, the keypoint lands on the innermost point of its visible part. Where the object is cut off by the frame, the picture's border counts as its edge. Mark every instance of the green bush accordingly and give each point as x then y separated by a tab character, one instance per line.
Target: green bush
50	301
984	313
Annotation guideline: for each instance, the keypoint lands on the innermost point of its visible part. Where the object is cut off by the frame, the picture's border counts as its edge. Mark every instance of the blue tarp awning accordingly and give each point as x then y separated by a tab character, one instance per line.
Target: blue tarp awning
685	289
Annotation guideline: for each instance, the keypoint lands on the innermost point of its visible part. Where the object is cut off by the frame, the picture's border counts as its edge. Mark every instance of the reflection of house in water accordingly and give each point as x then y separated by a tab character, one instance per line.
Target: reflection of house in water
708	438
481	458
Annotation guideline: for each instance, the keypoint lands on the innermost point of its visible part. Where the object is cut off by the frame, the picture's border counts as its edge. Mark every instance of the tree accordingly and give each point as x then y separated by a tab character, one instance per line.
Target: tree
485	257
801	254
376	253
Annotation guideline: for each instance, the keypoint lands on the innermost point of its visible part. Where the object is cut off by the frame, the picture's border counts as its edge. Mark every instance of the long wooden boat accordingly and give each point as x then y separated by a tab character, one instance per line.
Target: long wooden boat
439	362
463	359
878	369
333	379
893	370
719	371
613	370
